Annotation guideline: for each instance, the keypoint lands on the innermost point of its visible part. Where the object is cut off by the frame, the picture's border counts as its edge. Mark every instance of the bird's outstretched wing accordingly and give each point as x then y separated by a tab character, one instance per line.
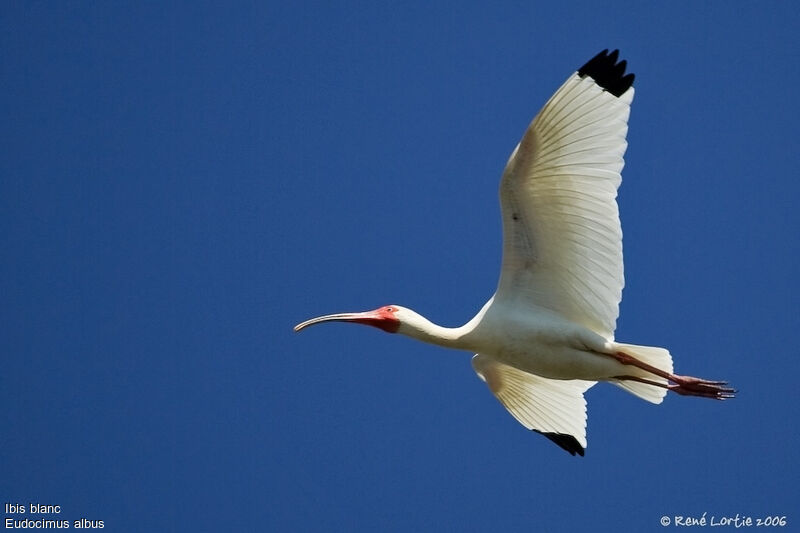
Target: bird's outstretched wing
554	408
562	245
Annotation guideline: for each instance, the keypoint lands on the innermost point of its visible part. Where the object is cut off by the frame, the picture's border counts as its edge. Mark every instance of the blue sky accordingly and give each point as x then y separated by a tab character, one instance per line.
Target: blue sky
183	183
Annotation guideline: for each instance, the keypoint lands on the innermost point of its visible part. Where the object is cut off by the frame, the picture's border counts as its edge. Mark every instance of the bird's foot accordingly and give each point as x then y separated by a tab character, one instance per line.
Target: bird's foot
691	386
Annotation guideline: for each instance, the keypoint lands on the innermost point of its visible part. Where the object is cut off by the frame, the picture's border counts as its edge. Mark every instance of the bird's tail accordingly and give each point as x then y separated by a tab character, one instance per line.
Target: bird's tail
653	356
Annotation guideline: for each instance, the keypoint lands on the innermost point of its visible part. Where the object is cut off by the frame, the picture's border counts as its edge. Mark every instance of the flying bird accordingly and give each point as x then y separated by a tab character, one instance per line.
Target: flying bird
547	334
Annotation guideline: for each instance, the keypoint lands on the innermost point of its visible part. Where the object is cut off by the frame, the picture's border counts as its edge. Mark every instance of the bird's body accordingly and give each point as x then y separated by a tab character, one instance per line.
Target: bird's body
511	335
547	334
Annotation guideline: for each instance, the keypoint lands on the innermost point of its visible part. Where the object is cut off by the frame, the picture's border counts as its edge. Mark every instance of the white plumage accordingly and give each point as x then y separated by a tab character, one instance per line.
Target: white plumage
563	241
547	334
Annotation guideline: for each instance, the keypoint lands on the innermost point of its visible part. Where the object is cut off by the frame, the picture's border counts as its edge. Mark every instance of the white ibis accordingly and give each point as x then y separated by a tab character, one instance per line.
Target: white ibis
547	334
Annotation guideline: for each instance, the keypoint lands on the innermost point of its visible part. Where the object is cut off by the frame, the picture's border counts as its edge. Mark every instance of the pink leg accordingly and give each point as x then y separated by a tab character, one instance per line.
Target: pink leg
683	385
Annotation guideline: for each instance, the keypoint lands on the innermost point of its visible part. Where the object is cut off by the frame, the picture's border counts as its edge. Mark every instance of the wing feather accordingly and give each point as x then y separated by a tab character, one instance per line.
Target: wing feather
554	408
562	236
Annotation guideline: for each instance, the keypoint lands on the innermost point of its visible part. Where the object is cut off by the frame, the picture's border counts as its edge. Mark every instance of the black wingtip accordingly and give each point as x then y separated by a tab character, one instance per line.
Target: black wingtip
567	442
610	75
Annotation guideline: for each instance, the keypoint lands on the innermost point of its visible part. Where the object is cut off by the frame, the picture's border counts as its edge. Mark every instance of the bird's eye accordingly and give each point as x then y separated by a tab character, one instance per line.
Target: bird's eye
391	309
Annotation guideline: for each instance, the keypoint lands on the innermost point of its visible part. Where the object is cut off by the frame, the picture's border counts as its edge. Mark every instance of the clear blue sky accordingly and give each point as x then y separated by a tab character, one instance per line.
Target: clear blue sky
180	184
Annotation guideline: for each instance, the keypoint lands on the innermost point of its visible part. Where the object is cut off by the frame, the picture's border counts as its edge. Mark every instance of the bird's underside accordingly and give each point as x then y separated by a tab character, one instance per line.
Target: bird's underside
556	408
562	258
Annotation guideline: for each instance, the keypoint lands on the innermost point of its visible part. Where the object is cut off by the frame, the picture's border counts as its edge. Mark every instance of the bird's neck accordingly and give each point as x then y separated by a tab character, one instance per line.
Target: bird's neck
424	330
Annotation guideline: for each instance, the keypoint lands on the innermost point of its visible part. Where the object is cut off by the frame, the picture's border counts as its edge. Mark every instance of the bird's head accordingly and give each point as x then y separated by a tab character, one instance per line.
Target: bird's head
389	318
